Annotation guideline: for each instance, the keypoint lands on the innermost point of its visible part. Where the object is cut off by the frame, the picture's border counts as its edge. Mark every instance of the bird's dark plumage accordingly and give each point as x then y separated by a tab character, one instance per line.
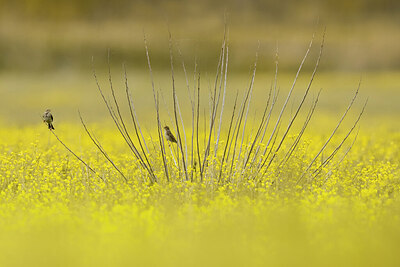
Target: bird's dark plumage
168	135
48	118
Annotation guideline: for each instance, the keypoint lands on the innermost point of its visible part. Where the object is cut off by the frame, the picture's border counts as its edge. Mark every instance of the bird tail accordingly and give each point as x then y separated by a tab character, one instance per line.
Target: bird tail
51	127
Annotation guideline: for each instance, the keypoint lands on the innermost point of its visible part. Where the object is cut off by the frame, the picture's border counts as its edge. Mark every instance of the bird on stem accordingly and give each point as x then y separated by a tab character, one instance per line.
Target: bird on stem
48	118
168	135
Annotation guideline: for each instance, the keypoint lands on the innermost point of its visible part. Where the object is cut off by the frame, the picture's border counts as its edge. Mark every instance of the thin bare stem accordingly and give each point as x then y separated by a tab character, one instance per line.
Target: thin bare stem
76	156
119	126
214	105
238	124
333	132
150	69
161	140
192	108
260	127
197	127
330	157
248	103
297	140
223	102
175	109
299	107
98	145
125	133
275	97
135	121
285	104
227	139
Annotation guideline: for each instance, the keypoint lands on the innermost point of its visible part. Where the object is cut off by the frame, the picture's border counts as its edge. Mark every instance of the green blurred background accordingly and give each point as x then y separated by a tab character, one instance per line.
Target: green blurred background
47	46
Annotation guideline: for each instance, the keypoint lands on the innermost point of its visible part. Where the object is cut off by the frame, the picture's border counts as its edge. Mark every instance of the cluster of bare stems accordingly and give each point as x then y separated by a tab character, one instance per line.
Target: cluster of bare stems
237	160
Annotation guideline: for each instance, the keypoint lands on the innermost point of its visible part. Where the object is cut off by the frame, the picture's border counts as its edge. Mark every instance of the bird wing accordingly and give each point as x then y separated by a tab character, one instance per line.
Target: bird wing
51	116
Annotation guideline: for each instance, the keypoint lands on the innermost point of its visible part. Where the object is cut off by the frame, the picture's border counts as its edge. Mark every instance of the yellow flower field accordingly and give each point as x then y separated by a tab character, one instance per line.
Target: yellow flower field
55	212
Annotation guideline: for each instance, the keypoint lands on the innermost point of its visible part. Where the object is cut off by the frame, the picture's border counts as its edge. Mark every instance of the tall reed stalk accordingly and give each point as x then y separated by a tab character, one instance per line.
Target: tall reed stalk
219	152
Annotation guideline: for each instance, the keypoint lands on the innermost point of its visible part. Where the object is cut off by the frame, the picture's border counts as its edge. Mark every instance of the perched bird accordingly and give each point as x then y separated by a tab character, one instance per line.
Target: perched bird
168	135
48	118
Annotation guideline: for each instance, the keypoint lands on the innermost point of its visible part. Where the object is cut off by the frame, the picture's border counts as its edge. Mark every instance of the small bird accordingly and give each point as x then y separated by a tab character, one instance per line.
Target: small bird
48	118
168	135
